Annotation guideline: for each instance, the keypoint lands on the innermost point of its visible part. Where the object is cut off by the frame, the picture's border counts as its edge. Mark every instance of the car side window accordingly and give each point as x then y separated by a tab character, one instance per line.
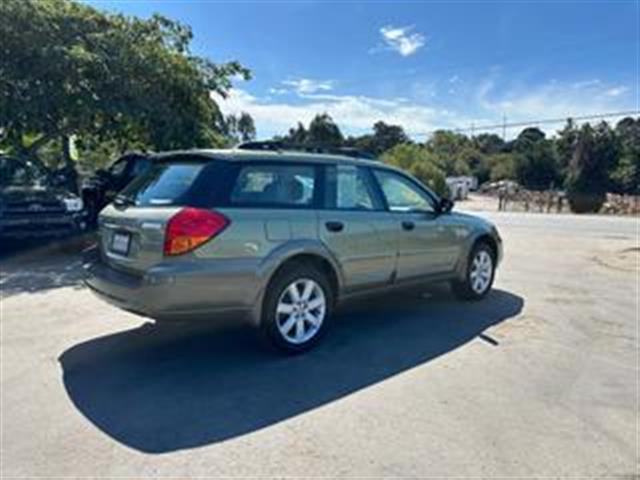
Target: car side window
274	185
402	194
348	188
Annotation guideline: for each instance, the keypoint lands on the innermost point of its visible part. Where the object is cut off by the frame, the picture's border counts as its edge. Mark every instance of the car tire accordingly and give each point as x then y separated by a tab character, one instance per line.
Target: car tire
479	274
295	325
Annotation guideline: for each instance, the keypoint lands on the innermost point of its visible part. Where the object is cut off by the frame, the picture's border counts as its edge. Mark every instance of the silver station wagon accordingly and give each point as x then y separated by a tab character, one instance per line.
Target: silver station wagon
281	237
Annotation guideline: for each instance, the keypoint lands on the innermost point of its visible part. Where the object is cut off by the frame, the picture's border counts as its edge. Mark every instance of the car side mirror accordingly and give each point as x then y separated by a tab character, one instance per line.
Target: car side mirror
445	205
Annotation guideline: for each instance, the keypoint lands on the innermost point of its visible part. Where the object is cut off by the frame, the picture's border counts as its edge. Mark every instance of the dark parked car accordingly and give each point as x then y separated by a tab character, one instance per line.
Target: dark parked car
32	205
100	189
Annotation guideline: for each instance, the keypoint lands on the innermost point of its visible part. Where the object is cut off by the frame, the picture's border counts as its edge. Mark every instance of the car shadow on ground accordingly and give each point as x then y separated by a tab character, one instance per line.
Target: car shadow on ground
163	388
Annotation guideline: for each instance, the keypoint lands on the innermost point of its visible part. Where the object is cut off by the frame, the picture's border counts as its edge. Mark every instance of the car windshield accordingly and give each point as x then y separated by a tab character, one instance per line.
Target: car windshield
16	173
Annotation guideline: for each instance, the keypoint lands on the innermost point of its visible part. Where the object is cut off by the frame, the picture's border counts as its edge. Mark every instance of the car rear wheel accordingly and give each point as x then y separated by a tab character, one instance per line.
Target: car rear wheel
479	275
297	308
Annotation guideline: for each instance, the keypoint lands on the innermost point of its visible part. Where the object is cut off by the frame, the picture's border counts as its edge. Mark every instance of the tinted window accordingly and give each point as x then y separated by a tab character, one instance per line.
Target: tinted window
164	184
269	184
402	194
118	168
140	166
21	173
348	188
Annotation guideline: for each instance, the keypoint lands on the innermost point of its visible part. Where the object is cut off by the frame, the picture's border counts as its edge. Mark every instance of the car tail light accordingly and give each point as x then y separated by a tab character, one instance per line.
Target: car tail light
190	228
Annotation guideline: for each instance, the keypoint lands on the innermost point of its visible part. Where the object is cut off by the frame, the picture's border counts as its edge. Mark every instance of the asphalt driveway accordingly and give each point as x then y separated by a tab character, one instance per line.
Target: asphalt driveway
539	379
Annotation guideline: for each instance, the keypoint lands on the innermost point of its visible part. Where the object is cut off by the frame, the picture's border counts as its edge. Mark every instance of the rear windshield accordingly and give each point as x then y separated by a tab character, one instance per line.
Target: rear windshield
176	183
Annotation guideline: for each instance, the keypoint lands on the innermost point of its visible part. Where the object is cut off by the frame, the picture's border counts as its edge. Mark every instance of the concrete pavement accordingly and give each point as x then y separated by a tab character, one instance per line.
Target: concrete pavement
540	379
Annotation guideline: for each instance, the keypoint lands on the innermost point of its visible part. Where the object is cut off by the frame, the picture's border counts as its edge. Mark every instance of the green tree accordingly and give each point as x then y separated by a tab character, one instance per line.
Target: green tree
586	181
246	127
298	135
446	146
324	132
565	142
70	69
386	137
625	174
488	143
527	137
535	160
431	175
501	166
421	163
239	128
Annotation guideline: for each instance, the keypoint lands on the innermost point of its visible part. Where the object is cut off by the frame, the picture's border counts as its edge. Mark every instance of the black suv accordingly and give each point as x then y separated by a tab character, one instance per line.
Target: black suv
100	189
33	205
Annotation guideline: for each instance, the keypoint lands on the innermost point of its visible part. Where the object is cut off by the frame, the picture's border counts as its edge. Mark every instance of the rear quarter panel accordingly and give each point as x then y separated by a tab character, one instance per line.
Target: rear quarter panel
247	253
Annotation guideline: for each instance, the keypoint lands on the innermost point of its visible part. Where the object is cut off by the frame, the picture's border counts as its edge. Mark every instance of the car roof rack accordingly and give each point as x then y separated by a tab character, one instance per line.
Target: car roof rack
277	146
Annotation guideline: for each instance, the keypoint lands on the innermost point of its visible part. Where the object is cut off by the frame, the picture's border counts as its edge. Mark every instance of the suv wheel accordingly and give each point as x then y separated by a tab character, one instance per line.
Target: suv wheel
479	276
297	307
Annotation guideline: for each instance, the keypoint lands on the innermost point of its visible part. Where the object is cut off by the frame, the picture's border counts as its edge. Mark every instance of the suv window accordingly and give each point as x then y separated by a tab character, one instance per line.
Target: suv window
349	188
118	168
402	194
140	166
274	185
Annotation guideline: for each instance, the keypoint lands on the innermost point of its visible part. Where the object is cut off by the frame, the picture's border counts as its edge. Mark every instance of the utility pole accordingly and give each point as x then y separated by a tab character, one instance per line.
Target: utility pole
504	127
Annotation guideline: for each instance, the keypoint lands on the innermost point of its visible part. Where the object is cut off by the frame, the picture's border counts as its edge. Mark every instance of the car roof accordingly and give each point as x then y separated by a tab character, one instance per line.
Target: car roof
243	155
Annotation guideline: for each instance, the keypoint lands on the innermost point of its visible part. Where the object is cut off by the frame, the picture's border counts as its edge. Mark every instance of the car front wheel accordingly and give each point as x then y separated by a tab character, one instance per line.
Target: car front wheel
479	274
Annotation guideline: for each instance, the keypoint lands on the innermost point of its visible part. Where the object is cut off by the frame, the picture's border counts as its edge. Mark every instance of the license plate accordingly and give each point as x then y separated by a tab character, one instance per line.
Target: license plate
120	243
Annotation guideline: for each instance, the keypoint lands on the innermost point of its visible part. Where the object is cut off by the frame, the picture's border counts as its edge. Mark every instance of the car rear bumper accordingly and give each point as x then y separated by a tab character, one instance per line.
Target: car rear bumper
167	294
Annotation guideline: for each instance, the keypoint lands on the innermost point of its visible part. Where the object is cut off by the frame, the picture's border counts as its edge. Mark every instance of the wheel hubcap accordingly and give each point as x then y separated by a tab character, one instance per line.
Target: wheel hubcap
300	311
481	271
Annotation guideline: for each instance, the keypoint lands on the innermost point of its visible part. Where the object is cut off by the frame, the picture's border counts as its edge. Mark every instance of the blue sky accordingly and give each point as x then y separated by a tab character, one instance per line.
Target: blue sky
423	65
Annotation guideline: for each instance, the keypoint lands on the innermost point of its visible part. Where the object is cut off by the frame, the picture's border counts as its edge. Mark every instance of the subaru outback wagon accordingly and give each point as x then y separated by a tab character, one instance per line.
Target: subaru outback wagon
280	237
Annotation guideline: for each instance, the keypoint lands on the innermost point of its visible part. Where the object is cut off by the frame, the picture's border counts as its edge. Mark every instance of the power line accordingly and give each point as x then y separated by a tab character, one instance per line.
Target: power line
545	121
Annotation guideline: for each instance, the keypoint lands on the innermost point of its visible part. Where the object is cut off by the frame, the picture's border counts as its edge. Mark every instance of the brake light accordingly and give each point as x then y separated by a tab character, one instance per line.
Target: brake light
190	228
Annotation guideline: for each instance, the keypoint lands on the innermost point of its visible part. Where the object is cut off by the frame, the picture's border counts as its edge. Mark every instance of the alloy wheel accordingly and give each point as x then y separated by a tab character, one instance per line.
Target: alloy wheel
481	272
300	311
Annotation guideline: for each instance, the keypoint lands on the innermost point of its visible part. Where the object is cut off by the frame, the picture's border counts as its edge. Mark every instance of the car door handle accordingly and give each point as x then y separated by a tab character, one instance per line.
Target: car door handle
408	225
334	226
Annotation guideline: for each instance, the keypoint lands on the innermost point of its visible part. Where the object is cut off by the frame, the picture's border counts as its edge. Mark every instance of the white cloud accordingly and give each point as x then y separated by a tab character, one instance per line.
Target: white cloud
401	40
307	85
354	114
482	105
587	83
616	91
454	79
550	101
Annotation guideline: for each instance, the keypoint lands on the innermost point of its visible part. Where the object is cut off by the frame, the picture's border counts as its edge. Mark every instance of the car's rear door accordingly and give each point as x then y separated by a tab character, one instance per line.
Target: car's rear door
426	243
355	227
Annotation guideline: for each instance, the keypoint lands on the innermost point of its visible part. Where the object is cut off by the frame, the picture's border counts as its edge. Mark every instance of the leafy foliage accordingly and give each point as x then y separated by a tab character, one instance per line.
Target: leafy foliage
586	180
535	160
71	69
239	128
420	163
625	173
608	162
